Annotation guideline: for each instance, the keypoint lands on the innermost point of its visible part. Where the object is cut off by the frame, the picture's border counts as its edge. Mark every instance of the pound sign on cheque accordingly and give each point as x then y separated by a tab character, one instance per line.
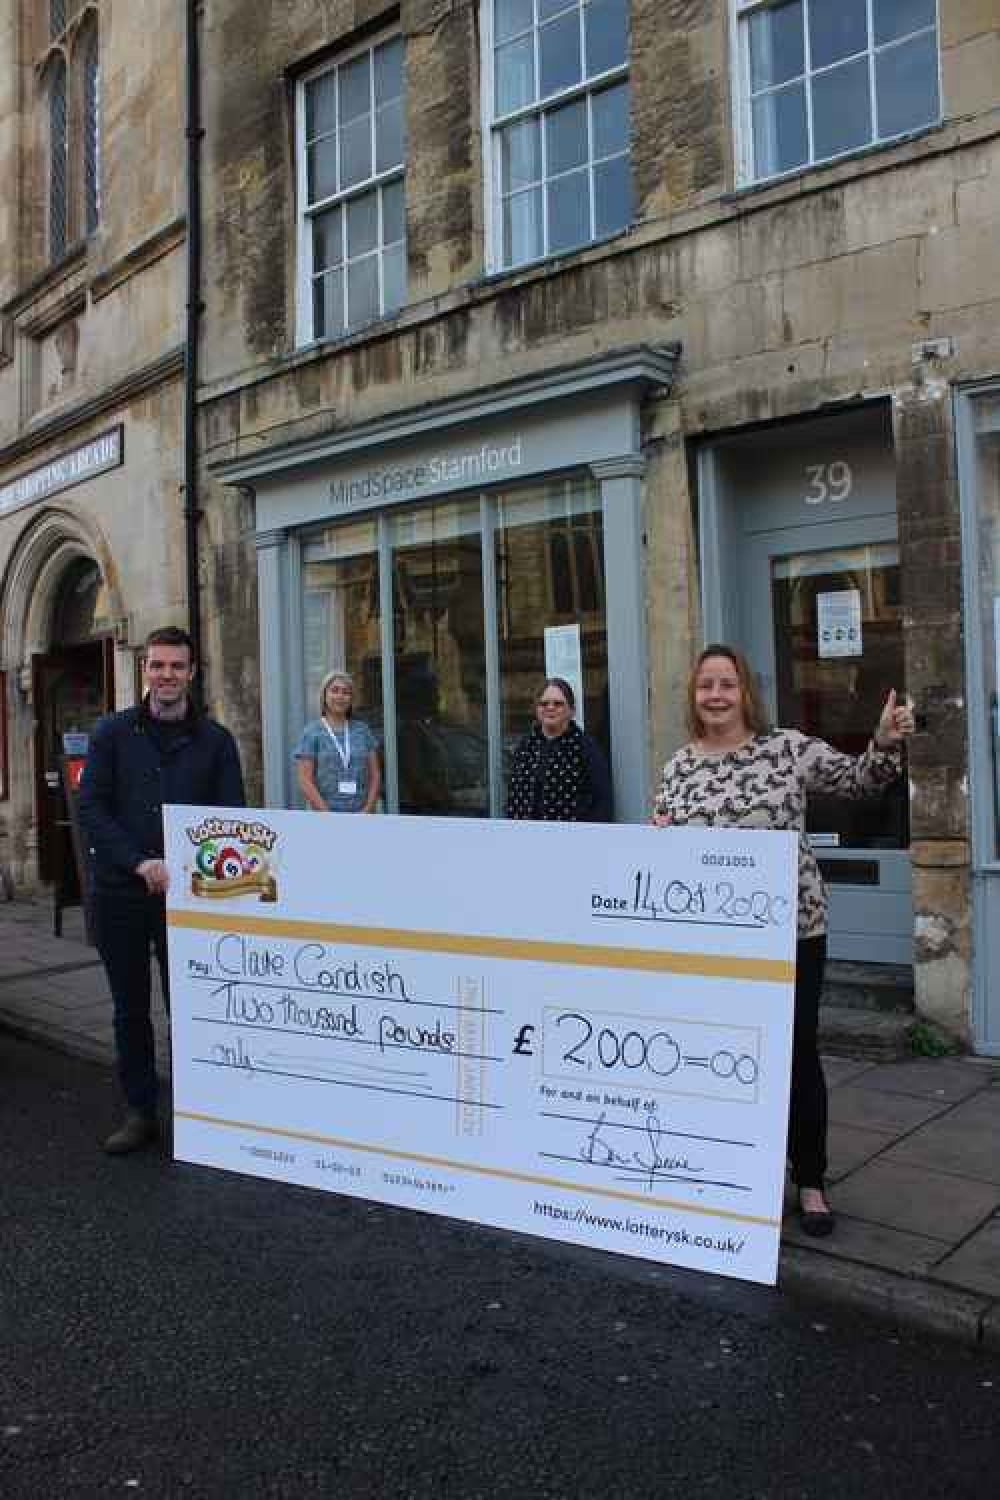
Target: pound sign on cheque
522	1043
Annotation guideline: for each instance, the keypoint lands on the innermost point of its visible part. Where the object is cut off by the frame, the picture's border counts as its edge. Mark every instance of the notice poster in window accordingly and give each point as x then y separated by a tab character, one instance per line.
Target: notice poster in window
563	658
838	623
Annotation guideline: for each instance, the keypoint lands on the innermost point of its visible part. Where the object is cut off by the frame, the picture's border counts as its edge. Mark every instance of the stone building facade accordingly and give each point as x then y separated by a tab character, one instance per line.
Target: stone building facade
577	332
92	322
701	290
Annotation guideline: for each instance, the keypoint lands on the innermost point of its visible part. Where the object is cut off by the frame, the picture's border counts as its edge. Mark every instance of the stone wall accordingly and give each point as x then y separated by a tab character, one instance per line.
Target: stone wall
85	344
870	276
930	557
70	330
9	164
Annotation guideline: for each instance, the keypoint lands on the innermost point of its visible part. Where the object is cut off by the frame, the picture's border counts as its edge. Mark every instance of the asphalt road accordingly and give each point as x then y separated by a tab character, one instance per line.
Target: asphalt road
167	1330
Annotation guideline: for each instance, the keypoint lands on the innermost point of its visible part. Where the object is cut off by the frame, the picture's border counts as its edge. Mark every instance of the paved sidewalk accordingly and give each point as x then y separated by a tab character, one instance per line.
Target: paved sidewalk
54	989
914	1148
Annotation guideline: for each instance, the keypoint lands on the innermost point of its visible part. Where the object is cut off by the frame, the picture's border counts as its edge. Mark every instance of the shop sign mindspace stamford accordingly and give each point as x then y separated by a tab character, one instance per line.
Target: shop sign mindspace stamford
573	1031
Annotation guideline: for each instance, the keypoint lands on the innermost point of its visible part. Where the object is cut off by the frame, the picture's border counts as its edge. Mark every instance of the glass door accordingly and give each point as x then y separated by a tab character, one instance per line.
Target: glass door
838	648
825	631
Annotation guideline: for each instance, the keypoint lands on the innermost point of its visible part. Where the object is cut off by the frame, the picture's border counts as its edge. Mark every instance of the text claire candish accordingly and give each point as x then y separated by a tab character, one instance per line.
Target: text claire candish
547	1039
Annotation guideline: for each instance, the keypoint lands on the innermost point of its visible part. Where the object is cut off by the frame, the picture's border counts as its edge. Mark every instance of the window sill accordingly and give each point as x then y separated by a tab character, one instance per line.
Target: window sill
364	331
807	176
529	270
557	261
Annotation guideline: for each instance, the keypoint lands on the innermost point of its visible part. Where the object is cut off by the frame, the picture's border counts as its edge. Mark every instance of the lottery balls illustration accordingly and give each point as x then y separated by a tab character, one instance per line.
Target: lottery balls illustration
207	857
233	858
229	864
254	860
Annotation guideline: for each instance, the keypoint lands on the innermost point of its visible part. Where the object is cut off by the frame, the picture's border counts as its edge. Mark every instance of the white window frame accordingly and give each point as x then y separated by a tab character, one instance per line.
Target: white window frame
746	176
305	211
492	208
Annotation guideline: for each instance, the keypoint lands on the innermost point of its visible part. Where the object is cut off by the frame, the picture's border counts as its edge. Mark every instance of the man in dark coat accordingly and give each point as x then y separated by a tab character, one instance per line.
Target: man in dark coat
163	751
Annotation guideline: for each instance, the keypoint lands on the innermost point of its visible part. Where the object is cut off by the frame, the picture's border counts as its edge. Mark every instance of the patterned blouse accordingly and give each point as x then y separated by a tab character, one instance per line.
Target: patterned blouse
764	784
559	780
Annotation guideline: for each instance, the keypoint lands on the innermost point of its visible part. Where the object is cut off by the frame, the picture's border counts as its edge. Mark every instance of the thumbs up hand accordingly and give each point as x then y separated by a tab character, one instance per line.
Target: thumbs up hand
895	724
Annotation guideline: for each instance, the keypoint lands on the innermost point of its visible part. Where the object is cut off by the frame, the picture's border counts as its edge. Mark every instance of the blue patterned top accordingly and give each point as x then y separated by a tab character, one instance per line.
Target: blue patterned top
327	748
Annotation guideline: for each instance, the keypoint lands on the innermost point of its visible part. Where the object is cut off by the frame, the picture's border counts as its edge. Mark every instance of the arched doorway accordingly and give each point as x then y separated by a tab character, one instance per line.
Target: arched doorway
72	685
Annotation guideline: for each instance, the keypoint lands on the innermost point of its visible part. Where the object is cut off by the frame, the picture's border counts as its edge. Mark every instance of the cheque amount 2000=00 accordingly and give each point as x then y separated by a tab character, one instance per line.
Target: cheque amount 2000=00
658	1053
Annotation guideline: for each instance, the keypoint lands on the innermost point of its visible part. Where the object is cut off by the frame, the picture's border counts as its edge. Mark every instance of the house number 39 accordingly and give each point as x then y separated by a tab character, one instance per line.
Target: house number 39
829	482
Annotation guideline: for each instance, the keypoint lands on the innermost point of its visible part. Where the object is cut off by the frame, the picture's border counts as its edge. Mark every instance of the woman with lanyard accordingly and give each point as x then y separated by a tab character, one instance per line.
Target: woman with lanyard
337	756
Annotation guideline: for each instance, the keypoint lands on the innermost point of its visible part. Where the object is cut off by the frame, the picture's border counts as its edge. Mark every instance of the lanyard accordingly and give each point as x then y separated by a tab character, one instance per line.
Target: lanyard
343	750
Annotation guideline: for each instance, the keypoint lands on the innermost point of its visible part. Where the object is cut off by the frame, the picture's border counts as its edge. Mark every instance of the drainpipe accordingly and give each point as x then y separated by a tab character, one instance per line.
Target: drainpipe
192	513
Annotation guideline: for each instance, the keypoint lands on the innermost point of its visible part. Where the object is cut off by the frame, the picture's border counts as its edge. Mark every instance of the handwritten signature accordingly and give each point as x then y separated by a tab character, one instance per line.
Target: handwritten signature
650	1164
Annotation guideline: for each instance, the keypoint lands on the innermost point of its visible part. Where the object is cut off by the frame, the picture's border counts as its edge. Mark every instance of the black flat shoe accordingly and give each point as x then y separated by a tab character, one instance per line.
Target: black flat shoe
817	1223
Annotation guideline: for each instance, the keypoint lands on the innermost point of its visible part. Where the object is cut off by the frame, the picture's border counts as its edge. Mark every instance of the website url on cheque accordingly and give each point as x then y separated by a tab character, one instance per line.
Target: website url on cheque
724	1244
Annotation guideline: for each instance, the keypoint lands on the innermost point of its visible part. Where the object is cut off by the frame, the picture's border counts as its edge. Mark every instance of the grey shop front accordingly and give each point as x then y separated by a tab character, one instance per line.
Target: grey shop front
978	430
451	557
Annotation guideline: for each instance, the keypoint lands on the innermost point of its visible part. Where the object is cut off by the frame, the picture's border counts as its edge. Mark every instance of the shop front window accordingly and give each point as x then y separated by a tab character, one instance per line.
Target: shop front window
340	614
453	633
550	605
987	466
440	660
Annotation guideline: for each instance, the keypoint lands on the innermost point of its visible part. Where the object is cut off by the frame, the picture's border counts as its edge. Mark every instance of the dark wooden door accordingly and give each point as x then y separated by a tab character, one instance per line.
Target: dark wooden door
72	686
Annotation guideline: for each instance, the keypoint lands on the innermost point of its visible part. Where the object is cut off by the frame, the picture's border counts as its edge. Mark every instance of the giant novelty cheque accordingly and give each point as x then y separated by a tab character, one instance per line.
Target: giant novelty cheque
573	1031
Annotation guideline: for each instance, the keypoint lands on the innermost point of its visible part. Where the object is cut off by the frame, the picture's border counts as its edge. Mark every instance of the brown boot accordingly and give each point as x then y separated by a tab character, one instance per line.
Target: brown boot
135	1131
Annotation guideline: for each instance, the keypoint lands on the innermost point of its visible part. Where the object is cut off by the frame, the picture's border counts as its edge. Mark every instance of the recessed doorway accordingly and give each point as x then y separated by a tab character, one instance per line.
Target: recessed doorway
800	566
72	686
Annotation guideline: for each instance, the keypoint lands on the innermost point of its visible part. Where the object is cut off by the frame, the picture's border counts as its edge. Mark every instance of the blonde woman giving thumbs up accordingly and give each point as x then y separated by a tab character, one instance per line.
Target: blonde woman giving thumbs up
737	773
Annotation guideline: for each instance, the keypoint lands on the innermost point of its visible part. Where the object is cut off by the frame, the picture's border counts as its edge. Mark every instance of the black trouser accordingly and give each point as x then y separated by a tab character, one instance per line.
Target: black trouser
807	1111
129	925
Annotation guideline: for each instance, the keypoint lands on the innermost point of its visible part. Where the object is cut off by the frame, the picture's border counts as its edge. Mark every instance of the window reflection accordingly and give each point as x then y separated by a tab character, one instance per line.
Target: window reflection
440	668
340	614
550	577
853	84
838	650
